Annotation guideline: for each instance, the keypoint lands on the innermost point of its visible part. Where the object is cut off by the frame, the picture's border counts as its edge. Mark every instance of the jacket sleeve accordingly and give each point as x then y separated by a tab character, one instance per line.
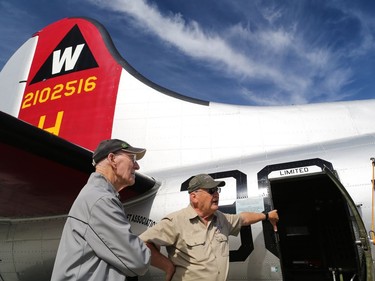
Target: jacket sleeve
109	235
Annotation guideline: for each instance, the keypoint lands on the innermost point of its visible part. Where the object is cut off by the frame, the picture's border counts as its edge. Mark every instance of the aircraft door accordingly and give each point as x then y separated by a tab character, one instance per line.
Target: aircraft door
321	234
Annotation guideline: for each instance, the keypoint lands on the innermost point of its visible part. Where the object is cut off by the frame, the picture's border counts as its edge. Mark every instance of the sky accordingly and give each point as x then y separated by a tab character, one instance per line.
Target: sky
253	52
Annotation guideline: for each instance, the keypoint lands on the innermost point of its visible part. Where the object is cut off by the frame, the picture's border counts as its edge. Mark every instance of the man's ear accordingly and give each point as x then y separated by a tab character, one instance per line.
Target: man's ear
193	196
111	159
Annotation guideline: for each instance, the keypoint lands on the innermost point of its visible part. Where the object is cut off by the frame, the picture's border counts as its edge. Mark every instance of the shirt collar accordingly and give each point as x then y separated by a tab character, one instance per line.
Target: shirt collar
192	214
112	188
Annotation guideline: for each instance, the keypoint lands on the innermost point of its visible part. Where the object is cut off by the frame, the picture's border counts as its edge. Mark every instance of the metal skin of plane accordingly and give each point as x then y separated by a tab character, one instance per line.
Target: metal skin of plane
67	88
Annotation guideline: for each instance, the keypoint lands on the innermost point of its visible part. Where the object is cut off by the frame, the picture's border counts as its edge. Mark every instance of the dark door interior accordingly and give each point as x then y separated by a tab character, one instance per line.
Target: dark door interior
317	239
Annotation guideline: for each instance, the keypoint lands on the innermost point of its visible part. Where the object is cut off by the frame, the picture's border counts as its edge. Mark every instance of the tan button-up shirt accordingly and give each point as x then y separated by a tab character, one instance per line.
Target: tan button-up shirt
199	252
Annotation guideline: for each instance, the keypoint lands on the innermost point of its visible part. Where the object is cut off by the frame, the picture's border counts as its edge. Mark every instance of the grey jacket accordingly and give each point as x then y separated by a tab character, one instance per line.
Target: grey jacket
97	243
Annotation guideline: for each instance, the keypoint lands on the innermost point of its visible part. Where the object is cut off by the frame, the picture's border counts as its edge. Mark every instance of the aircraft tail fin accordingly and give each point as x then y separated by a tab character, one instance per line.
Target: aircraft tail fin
69	81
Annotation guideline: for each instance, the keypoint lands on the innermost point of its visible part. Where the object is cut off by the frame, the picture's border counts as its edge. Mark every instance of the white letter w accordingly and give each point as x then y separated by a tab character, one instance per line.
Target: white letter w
67	58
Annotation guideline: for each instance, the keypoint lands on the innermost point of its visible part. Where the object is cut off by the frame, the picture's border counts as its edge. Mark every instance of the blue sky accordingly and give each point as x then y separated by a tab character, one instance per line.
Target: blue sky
257	52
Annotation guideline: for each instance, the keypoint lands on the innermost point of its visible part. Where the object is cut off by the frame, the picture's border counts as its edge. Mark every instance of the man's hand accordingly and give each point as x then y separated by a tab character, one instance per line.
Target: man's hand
169	271
160	261
273	217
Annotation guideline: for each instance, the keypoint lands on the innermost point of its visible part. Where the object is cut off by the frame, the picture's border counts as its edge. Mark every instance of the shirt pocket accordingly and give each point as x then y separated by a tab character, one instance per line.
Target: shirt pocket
196	247
223	245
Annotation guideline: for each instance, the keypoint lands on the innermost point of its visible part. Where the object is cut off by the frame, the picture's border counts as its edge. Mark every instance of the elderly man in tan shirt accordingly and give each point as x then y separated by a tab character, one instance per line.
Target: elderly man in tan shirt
196	237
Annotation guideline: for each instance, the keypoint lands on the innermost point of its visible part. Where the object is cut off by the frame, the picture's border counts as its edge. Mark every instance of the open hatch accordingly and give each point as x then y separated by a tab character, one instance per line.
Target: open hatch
321	235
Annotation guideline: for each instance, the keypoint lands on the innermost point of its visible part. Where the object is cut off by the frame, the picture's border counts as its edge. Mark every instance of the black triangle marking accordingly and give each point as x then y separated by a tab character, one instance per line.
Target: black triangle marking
72	40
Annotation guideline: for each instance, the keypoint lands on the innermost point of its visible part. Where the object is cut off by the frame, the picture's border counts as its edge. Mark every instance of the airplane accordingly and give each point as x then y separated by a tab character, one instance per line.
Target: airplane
67	88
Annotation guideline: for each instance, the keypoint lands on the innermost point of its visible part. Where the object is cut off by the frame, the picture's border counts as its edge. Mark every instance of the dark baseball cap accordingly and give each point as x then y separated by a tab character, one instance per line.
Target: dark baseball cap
106	147
203	181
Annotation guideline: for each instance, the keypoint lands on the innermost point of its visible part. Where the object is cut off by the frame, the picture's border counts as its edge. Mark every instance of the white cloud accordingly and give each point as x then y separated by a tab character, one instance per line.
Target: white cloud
270	55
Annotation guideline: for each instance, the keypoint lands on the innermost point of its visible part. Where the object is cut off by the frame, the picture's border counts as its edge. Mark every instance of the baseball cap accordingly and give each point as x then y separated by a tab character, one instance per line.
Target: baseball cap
203	181
106	147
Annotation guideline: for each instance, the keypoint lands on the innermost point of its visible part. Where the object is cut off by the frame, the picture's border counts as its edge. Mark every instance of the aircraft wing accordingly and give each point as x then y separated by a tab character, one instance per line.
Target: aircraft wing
41	174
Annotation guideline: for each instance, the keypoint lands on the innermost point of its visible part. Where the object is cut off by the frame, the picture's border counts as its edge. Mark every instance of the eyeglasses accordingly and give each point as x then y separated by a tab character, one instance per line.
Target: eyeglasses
132	157
211	190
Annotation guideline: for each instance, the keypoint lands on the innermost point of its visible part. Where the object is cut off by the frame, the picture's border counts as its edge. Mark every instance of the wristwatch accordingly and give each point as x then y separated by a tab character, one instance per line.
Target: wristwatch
266	213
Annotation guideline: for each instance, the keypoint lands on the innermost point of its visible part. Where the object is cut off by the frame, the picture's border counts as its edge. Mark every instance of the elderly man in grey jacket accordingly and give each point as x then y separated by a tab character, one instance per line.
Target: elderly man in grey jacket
97	243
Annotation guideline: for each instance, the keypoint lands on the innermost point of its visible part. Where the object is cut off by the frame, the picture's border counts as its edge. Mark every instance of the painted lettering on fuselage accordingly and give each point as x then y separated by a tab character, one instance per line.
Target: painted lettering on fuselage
294	171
